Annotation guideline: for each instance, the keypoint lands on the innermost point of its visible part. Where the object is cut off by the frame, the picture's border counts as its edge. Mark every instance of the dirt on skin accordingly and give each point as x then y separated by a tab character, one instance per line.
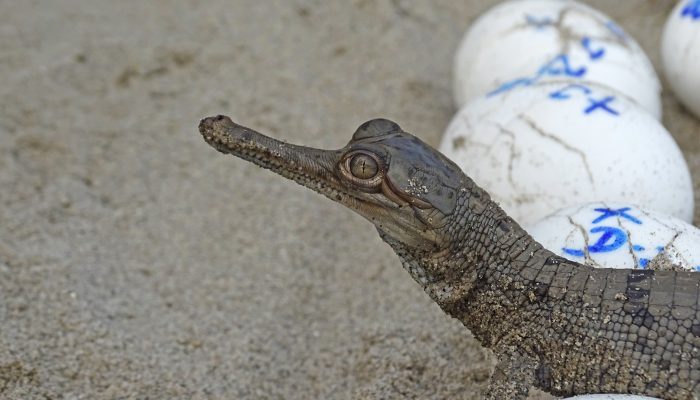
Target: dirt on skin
135	262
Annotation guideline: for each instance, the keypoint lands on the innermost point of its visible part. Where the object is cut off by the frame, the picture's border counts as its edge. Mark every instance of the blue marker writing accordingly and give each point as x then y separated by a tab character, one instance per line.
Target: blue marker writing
539	23
644	262
620	212
611	239
691	10
594	54
558	66
561	65
565	92
602	104
510	85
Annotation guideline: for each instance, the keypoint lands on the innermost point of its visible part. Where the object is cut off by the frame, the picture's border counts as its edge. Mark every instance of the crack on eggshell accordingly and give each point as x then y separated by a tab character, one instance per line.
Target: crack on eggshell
513	154
521	195
570	235
662	223
586	253
564	33
560	142
663	260
463	142
663	263
566	36
630	246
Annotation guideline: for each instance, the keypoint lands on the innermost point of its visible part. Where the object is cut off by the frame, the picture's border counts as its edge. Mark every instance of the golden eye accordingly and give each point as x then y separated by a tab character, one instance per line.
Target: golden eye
362	169
363	166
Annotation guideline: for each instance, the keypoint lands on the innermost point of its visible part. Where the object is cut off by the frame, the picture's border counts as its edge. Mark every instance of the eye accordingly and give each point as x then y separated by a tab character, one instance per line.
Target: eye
363	166
363	169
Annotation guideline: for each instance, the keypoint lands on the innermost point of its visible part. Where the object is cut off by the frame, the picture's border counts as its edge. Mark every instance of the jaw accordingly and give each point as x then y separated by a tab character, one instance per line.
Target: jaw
309	167
315	169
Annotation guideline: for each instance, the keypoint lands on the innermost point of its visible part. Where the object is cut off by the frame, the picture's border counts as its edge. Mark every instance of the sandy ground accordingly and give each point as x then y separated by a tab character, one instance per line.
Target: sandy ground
136	262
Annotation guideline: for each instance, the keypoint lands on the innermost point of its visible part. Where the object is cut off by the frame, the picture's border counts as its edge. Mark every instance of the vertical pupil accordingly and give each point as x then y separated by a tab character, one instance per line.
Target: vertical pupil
363	166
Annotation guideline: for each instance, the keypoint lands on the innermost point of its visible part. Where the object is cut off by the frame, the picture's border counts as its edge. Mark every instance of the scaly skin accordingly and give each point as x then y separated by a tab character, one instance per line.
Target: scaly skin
555	324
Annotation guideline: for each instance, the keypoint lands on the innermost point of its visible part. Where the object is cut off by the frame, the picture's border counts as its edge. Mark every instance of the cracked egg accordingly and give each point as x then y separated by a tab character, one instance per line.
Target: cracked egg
620	235
551	145
519	43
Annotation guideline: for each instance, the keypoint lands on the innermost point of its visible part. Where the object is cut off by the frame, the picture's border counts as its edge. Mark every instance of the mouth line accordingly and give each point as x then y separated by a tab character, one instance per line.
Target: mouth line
308	167
229	138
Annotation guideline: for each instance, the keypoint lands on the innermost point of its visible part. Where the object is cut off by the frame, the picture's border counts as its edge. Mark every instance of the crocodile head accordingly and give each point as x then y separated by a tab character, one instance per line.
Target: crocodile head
407	189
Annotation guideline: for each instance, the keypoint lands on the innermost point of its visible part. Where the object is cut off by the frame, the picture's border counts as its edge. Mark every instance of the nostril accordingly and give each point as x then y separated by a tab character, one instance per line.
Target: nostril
210	123
204	125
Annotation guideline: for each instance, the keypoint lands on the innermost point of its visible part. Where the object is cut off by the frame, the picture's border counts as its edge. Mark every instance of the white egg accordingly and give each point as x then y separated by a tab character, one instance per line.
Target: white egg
521	42
619	235
680	53
547	146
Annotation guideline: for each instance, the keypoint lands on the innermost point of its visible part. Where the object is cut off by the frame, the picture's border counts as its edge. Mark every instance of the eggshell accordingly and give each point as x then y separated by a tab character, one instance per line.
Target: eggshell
619	235
521	42
546	146
680	53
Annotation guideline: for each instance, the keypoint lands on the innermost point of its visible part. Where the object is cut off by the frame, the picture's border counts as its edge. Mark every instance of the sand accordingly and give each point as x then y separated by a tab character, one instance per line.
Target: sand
137	263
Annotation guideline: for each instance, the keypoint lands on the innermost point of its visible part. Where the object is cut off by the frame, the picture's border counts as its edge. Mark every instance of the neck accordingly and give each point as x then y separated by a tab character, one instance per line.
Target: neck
485	264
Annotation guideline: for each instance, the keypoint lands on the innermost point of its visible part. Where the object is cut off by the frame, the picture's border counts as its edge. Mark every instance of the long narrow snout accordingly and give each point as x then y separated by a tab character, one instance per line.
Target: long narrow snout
312	168
286	159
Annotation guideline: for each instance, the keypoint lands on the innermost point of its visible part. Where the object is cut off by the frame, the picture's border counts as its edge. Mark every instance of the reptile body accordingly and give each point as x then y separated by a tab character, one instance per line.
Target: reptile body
552	323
